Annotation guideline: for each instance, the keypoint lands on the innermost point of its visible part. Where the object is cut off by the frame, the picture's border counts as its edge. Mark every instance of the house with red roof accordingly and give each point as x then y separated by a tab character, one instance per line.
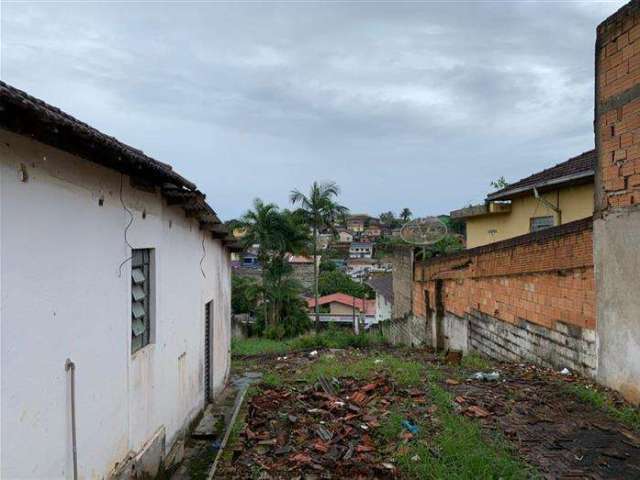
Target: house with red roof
342	308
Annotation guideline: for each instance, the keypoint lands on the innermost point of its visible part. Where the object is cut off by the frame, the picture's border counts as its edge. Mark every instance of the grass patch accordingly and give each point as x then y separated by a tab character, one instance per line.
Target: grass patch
405	373
198	465
257	346
330	338
272	379
626	414
458	450
473	361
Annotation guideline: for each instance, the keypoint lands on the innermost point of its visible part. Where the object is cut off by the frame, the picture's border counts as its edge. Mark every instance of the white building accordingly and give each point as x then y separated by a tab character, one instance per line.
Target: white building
382	284
361	250
112	261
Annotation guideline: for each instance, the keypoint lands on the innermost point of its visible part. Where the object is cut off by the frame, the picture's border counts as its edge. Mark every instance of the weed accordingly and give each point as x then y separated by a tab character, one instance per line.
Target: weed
330	338
272	379
473	361
626	414
405	373
459	450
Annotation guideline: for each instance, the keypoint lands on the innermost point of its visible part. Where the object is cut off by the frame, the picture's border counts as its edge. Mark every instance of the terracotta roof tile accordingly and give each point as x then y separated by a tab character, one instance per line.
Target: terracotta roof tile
582	164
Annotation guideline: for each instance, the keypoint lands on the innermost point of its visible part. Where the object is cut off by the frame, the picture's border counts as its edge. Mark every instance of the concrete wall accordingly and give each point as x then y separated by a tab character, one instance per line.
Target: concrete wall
575	202
402	263
617	257
303	273
617	215
64	297
410	330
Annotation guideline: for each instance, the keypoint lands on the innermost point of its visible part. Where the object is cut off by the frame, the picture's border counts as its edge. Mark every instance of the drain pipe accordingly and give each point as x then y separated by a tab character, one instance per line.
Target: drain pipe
69	366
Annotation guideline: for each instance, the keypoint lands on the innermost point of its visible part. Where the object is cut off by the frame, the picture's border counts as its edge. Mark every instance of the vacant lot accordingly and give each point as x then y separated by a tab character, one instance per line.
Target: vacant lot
378	412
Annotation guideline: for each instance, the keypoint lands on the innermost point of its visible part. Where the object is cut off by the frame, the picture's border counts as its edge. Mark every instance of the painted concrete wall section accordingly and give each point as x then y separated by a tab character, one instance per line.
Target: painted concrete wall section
409	330
528	298
383	308
575	202
617	224
563	346
617	254
64	296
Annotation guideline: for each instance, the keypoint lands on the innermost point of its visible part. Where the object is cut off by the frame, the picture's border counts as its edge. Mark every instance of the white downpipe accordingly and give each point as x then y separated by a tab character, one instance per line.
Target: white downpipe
70	367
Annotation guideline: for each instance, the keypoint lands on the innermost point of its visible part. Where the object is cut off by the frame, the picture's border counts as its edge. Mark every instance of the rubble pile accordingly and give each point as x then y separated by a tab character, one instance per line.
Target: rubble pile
326	430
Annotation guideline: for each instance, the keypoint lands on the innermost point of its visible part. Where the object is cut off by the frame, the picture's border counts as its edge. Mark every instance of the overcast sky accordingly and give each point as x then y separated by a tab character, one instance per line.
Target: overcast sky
415	105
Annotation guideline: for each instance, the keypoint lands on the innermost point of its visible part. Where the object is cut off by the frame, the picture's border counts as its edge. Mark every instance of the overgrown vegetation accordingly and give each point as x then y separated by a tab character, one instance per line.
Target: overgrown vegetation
245	292
626	414
330	338
278	303
457	449
339	282
405	373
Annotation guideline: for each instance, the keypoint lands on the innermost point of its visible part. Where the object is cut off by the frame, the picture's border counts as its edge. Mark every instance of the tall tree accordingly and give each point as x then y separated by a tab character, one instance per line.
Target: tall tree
276	233
321	211
387	218
406	214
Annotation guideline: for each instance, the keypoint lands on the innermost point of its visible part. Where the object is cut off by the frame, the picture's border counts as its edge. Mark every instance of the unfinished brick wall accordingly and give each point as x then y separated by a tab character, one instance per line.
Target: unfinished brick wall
617	217
618	109
538	290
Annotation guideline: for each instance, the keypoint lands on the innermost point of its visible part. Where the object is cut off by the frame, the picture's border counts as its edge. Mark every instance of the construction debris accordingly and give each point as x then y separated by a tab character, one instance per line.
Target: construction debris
325	430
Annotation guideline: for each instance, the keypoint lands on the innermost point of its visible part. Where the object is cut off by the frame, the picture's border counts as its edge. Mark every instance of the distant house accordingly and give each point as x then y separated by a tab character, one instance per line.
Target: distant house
324	240
357	223
249	260
116	299
344	236
361	250
373	231
383	286
342	308
555	196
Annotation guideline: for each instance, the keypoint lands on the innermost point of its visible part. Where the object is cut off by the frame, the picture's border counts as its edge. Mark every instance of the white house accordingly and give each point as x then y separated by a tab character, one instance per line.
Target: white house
361	250
382	284
115	288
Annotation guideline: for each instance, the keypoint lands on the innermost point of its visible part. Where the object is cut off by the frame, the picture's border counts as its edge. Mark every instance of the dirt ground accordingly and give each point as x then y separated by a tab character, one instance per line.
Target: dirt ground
388	413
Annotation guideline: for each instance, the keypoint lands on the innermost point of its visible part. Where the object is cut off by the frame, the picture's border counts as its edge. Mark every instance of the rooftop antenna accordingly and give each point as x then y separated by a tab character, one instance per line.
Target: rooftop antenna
423	231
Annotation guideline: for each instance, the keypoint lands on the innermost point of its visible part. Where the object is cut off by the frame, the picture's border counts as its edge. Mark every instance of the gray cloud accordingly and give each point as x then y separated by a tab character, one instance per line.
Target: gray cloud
402	104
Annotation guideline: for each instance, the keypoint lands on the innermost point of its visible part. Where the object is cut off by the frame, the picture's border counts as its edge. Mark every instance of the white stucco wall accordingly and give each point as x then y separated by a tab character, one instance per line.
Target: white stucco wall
62	298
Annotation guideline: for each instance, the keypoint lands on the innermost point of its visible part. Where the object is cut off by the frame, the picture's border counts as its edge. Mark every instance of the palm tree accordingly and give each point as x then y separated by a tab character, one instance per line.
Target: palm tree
405	214
320	211
276	233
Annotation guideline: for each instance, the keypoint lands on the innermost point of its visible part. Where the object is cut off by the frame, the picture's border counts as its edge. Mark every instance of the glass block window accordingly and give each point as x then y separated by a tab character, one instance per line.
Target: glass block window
140	298
540	223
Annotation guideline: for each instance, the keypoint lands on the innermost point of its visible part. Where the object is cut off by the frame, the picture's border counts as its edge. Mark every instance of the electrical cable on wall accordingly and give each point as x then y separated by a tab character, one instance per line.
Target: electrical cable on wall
204	254
126	229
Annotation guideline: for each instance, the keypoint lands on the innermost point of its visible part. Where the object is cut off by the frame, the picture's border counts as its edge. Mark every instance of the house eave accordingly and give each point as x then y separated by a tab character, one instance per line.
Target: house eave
565	181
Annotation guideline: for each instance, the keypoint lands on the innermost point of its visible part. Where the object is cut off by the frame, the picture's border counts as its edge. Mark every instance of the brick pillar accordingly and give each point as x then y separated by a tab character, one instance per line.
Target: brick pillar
617	202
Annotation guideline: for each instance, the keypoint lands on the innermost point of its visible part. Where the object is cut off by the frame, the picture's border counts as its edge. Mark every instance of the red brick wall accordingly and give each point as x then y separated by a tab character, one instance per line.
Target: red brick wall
618	109
543	278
